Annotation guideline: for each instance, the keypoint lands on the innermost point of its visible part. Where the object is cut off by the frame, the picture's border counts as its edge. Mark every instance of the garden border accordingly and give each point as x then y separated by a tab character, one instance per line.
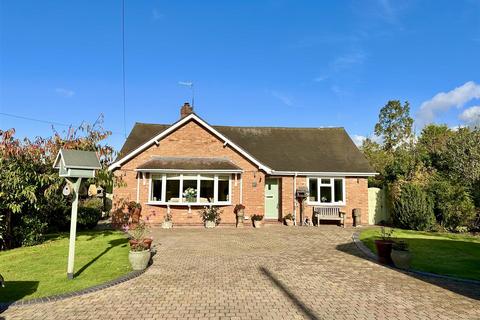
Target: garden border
372	256
62	296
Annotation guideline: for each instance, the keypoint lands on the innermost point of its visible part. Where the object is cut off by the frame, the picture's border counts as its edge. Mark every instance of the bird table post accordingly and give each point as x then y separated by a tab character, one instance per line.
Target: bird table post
75	164
73	227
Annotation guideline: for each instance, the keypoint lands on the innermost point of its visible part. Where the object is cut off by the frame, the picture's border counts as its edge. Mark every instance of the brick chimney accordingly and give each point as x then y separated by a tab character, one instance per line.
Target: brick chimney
186	110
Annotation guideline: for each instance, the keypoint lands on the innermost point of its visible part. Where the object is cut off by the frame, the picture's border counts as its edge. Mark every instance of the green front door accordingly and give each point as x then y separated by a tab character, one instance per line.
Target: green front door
271	198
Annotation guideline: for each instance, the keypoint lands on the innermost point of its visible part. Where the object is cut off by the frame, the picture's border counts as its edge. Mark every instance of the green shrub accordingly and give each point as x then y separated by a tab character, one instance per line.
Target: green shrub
413	209
93	202
29	231
87	218
453	205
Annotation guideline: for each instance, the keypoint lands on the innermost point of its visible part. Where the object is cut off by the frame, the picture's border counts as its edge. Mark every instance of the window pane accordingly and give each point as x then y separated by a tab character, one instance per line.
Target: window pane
338	190
173	191
157	190
206	177
223	188
313	190
325	181
206	191
325	194
189	190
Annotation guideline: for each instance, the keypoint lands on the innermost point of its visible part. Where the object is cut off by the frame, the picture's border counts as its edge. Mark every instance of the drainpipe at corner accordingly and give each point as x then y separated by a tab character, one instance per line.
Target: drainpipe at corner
294	198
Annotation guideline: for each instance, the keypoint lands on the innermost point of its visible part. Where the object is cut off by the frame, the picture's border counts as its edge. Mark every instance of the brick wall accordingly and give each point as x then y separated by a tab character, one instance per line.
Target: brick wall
356	190
192	140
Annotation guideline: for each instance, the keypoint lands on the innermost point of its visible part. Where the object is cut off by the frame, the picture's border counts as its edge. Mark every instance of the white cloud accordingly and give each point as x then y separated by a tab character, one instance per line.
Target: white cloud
471	116
444	101
340	92
320	78
348	60
358	139
282	97
67	93
389	13
157	15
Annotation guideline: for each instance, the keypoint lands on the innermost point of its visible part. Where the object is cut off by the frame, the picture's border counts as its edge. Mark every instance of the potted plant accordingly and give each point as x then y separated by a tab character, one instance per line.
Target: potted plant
384	246
210	216
134	211
167	221
257	220
401	256
240	213
139	254
190	194
288	219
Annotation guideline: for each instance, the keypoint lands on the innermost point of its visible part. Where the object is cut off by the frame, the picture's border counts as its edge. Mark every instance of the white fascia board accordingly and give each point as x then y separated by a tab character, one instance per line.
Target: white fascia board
323	174
81	167
233	145
55	163
192	171
173	128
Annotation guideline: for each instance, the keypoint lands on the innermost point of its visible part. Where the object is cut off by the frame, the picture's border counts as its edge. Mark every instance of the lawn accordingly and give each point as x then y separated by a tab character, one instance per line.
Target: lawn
39	271
449	254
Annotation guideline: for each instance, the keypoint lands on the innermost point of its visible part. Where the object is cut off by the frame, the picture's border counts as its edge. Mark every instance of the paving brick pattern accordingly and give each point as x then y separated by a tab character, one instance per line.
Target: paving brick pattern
270	273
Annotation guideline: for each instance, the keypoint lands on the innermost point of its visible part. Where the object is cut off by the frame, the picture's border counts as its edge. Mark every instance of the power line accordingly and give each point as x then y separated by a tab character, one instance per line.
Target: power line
36	120
123	70
50	122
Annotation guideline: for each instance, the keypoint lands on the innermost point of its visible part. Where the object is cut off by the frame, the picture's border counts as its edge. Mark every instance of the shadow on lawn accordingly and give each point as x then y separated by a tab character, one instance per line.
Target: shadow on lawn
470	290
309	313
15	290
112	243
91	234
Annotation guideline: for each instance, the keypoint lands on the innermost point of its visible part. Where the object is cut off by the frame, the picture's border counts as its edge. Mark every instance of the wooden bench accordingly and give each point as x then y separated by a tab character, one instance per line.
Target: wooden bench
329	213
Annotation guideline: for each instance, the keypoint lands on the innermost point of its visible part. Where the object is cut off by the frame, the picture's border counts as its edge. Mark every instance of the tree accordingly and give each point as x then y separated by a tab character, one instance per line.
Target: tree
394	124
453	205
432	144
31	201
462	156
379	159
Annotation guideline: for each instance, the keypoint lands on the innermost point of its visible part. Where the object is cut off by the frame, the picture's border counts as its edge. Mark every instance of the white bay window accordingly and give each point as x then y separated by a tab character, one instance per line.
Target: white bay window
326	191
190	189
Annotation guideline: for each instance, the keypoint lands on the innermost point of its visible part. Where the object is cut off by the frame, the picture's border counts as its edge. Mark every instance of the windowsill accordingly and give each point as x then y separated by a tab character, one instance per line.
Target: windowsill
325	204
188	204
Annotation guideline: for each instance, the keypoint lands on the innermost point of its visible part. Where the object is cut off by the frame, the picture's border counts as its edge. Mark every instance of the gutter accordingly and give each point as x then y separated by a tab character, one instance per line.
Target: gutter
294	201
323	174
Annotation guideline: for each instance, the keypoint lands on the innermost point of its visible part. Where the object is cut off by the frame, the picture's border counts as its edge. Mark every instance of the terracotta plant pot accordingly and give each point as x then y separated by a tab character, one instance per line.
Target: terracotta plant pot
147	243
210	224
167	225
139	259
401	258
257	223
133	242
289	222
384	250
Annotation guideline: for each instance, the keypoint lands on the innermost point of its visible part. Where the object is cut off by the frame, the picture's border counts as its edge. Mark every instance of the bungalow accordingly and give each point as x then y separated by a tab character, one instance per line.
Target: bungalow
182	167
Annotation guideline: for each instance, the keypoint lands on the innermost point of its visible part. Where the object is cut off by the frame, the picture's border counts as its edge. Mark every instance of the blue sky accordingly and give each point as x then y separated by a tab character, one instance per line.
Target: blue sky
253	63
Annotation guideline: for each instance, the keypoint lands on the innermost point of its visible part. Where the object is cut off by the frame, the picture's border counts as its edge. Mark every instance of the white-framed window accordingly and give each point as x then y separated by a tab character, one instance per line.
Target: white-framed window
326	191
190	189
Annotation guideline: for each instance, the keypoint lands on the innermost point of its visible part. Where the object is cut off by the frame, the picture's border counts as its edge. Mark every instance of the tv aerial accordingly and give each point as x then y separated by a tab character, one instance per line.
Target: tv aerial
189	84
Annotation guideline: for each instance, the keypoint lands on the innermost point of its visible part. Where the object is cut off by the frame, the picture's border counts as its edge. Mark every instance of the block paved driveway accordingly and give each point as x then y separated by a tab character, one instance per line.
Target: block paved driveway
271	273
